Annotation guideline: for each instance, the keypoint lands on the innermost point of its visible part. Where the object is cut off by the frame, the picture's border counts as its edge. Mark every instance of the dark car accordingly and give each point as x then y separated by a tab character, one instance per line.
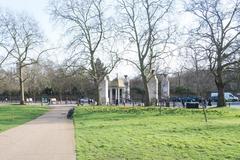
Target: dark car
86	101
214	99
190	99
175	99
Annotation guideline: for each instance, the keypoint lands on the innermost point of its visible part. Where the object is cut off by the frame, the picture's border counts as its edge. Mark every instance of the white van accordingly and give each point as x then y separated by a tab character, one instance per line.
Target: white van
227	95
53	101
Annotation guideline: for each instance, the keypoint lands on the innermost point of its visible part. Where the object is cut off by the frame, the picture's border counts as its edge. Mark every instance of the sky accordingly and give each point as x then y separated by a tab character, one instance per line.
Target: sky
39	10
32	7
35	8
54	33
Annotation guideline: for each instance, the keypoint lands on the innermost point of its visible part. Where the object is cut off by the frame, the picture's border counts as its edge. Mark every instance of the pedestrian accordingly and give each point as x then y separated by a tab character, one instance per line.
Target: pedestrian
204	103
209	102
183	104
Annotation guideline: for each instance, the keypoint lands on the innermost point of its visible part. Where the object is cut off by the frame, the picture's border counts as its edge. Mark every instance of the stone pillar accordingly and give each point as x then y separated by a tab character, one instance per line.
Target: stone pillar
119	94
165	87
116	93
127	88
103	92
153	89
110	98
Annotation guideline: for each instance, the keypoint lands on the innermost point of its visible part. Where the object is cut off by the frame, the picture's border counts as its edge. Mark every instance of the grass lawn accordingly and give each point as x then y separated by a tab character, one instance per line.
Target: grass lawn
14	115
110	133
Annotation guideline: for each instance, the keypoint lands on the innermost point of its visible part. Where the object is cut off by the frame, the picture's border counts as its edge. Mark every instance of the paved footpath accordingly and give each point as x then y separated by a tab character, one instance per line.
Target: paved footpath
49	137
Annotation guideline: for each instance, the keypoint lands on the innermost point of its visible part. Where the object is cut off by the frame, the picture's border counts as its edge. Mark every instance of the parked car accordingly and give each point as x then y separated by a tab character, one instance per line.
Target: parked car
86	101
53	101
175	99
190	99
185	99
227	95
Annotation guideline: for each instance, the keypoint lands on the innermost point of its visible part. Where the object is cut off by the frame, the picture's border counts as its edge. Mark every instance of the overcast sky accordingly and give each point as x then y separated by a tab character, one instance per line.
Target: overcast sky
38	9
35	8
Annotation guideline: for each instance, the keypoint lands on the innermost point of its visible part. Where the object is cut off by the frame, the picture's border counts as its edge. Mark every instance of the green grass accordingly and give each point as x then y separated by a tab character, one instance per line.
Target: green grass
110	133
14	115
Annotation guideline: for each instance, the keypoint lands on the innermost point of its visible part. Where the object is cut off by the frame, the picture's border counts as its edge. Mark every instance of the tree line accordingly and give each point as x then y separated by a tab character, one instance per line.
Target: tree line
142	32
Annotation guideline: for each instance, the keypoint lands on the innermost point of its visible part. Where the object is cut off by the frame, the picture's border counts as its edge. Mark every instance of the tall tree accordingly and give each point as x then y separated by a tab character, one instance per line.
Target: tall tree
217	34
21	40
144	23
86	24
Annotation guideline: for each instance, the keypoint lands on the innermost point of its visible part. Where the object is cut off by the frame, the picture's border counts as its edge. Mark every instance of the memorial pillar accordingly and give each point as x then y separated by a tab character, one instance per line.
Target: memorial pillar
110	98
165	87
153	89
103	91
119	100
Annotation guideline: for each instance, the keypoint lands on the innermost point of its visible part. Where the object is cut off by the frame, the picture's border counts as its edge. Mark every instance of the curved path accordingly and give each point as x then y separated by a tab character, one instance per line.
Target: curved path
49	137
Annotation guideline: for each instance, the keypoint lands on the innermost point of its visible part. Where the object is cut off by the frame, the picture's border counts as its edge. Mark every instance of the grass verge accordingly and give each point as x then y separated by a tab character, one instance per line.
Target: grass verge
110	133
14	115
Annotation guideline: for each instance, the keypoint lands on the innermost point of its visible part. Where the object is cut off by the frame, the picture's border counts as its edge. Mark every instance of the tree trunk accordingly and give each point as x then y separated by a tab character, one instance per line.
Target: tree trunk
98	97
221	99
60	96
197	81
238	81
220	87
97	92
22	98
179	79
147	99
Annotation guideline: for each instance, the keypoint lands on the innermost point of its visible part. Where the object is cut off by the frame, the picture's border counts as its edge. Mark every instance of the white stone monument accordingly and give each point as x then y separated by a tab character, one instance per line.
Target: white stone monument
153	88
127	89
103	92
117	91
165	87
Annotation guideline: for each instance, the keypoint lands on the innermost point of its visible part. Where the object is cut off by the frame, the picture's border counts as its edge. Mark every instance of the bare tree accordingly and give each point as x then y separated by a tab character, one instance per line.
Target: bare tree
4	57
144	23
217	34
21	40
195	62
4	50
89	30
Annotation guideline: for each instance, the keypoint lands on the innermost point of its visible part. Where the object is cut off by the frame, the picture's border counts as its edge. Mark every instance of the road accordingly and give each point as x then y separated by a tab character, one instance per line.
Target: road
49	137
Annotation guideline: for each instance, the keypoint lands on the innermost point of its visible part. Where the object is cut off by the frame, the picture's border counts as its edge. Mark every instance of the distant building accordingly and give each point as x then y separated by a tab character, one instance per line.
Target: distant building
116	91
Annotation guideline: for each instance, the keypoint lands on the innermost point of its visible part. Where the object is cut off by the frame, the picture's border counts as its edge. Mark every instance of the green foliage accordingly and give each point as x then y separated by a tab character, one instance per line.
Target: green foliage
101	69
14	115
115	133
